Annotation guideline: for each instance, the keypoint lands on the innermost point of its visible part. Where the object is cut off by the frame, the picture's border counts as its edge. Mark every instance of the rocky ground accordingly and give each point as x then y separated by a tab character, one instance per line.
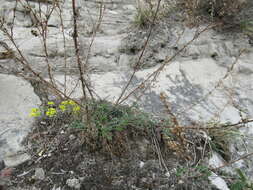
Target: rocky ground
208	81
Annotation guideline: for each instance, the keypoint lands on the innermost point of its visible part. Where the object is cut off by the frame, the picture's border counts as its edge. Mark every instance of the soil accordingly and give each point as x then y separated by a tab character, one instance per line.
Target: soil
130	160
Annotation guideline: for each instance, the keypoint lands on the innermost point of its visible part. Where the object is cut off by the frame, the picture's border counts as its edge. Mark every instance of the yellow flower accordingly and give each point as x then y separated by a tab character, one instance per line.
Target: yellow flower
62	107
76	109
51	112
50	103
64	102
71	102
35	112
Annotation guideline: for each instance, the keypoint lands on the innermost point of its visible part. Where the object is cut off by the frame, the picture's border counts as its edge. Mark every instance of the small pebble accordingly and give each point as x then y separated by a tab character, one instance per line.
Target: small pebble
141	164
167	174
39	174
74	183
72	137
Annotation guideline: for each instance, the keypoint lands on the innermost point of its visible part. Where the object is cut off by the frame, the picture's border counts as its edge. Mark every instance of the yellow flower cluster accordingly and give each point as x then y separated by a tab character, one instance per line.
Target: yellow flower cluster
50	103
51	112
62	107
35	112
67	105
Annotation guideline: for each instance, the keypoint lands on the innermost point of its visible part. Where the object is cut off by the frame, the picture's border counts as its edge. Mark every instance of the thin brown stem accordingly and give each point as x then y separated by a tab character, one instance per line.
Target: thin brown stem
79	63
219	83
233	161
64	46
75	38
167	61
138	64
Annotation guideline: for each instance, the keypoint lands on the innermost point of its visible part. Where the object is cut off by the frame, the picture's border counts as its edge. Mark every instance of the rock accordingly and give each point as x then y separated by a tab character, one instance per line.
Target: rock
141	164
22	19
16	100
218	182
74	183
24	8
55	47
216	160
124	61
39	174
106	45
167	174
72	137
56	188
100	63
144	5
129	7
242	146
55	20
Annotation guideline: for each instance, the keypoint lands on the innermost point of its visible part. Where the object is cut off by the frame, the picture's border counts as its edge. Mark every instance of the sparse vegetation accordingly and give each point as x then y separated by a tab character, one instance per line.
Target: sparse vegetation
109	118
242	183
227	12
151	11
72	127
221	138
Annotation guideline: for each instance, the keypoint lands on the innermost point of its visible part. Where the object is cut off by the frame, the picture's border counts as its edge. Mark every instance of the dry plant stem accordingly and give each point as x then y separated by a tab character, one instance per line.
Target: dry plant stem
168	109
155	74
64	46
179	36
75	37
223	166
42	28
79	63
158	151
238	124
14	17
234	161
222	126
138	64
145	87
23	61
100	18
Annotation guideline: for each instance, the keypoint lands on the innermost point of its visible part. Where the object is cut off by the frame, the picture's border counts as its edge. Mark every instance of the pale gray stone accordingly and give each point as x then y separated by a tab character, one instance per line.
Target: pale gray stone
74	183
39	173
16	100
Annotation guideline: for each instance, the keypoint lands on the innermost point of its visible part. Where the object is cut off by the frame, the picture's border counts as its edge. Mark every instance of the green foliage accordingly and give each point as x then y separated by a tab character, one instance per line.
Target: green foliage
247	27
146	12
242	183
143	18
221	138
212	9
77	124
105	117
181	171
109	118
203	172
167	131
